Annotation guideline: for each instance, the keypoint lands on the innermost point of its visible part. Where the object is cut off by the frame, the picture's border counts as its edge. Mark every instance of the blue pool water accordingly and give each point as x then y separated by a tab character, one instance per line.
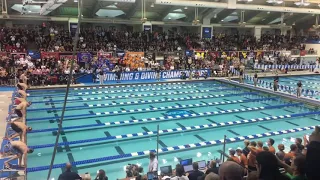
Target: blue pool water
113	121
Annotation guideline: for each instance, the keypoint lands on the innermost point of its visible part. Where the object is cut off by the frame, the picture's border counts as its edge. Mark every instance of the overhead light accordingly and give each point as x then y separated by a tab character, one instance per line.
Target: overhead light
186	7
75	1
294	23
29	11
169	18
250	0
268	12
275	1
115	3
263	19
152	5
222	20
319	4
302	3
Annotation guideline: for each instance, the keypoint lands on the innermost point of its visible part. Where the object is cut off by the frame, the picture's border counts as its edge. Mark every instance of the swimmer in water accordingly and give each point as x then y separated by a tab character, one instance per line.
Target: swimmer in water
21	130
19	150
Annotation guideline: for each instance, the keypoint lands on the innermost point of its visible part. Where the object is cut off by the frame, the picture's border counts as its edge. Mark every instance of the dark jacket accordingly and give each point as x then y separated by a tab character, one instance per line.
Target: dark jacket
312	161
195	174
68	175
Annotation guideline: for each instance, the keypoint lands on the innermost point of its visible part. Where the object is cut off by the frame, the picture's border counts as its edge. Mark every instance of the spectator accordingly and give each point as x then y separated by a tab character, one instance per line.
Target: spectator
281	154
68	175
246	150
153	165
195	173
252	156
313	156
270	145
268	167
243	158
232	152
298	142
213	168
293	152
101	175
212	176
298	166
179	173
230	170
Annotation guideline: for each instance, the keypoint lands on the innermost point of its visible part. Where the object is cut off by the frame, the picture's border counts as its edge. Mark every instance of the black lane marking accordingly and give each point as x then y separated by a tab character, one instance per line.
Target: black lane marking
180	125
288	110
132	117
122	109
246	98
292	123
239	117
145	129
119	150
244	106
98	122
203	102
264	128
220	109
91	112
192	111
66	147
314	119
162	144
151	106
226	99
234	133
265	113
200	138
178	104
212	121
163	114
107	133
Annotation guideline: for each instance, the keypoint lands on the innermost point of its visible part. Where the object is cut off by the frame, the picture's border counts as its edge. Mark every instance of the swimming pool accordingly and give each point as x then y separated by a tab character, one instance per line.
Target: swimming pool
311	83
110	127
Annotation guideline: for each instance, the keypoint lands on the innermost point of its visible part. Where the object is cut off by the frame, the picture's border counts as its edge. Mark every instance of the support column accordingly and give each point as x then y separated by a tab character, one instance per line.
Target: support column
257	32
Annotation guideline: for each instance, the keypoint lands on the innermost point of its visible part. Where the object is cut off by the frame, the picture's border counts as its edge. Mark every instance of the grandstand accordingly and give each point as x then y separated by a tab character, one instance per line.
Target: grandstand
159	89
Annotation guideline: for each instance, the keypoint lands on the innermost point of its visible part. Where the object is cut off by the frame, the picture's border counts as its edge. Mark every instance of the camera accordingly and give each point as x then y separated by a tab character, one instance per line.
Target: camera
133	170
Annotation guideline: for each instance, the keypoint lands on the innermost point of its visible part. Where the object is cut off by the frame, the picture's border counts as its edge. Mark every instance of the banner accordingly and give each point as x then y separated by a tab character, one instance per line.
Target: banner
258	53
50	54
34	54
151	75
243	54
133	54
104	54
18	55
66	55
84	57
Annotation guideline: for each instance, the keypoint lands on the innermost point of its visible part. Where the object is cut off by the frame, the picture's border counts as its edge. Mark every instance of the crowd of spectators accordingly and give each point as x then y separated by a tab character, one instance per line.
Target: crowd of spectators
57	39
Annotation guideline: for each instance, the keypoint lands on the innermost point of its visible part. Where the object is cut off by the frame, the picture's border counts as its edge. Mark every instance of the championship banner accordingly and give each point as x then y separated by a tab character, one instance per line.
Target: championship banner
233	54
66	55
84	57
149	75
243	54
50	54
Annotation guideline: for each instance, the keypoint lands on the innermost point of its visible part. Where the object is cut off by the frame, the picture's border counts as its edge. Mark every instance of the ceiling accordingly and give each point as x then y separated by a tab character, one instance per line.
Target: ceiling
158	12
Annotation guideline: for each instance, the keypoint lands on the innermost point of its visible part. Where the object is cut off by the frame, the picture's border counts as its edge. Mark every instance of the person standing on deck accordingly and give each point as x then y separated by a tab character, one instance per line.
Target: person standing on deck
255	79
299	89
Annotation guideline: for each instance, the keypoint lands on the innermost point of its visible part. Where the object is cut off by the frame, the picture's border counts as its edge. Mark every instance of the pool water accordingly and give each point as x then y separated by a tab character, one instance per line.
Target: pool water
113	121
309	82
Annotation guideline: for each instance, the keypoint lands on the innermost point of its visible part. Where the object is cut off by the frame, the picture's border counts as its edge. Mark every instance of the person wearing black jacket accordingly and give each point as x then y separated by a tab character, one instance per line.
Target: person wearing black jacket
313	156
68	175
195	173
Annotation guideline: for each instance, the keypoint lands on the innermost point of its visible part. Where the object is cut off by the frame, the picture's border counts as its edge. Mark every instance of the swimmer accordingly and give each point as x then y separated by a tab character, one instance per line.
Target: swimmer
19	150
22	86
21	130
22	94
20	110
